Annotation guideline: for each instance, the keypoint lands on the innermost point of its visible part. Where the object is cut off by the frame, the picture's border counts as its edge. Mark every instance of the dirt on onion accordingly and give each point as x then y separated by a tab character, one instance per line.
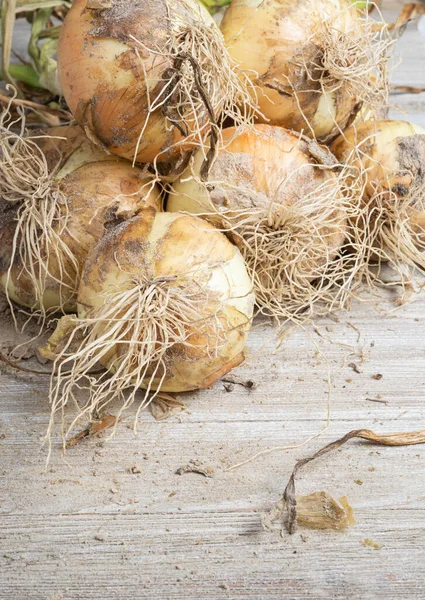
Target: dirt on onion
149	80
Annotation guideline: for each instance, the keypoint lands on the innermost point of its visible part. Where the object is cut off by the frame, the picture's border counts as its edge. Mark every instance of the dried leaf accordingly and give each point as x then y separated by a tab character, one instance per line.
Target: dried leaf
59	337
248	384
286	509
321	511
195	466
51	116
164	406
407	89
94	428
408	13
7	25
17	366
31	5
322	154
316	511
371	544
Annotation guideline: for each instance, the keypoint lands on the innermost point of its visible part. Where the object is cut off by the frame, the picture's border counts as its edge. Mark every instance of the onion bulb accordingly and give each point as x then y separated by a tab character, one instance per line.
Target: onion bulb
390	159
314	63
284	209
57	193
165	303
147	80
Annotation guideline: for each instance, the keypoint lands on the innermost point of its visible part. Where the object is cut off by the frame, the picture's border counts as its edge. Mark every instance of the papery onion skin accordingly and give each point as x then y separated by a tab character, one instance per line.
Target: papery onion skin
97	188
389	154
272	38
161	246
109	80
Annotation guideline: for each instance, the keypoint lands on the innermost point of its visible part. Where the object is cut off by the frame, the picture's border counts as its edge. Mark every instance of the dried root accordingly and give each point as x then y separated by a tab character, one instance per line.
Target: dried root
357	59
347	63
200	91
394	232
390	226
139	334
293	233
31	199
300	257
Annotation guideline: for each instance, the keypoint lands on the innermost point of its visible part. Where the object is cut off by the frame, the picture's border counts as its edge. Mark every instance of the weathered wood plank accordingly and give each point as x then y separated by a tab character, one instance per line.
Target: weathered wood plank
89	528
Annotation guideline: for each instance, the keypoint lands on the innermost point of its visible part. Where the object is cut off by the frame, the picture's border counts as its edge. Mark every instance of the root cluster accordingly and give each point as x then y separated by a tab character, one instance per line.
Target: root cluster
138	334
28	188
201	90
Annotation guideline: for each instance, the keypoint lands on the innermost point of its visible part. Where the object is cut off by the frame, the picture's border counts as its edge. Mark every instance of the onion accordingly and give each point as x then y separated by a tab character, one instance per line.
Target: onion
165	303
147	80
390	159
314	62
285	211
57	192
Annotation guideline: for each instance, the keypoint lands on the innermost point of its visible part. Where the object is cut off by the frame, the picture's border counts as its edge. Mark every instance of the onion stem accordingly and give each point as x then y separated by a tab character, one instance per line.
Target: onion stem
24	73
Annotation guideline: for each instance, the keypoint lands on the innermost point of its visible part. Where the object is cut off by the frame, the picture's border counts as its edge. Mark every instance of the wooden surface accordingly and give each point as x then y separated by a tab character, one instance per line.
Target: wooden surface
112	520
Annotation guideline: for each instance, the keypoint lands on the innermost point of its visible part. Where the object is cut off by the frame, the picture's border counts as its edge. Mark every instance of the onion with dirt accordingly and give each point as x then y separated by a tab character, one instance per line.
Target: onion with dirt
283	201
389	157
58	192
314	63
165	304
148	80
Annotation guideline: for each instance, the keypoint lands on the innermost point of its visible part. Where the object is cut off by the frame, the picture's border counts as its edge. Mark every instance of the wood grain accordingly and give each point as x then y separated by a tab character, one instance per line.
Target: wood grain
90	528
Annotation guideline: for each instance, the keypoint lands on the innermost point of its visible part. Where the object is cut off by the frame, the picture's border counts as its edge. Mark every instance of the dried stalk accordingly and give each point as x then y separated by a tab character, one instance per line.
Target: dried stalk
286	508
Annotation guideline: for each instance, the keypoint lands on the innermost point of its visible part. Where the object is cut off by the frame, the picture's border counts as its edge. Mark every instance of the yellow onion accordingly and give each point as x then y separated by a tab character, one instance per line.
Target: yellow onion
57	193
165	303
313	62
283	208
146	79
390	159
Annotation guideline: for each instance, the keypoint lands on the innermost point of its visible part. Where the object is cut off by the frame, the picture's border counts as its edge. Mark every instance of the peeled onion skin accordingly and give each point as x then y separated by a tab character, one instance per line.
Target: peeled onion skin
281	42
285	213
165	303
95	189
390	157
116	64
